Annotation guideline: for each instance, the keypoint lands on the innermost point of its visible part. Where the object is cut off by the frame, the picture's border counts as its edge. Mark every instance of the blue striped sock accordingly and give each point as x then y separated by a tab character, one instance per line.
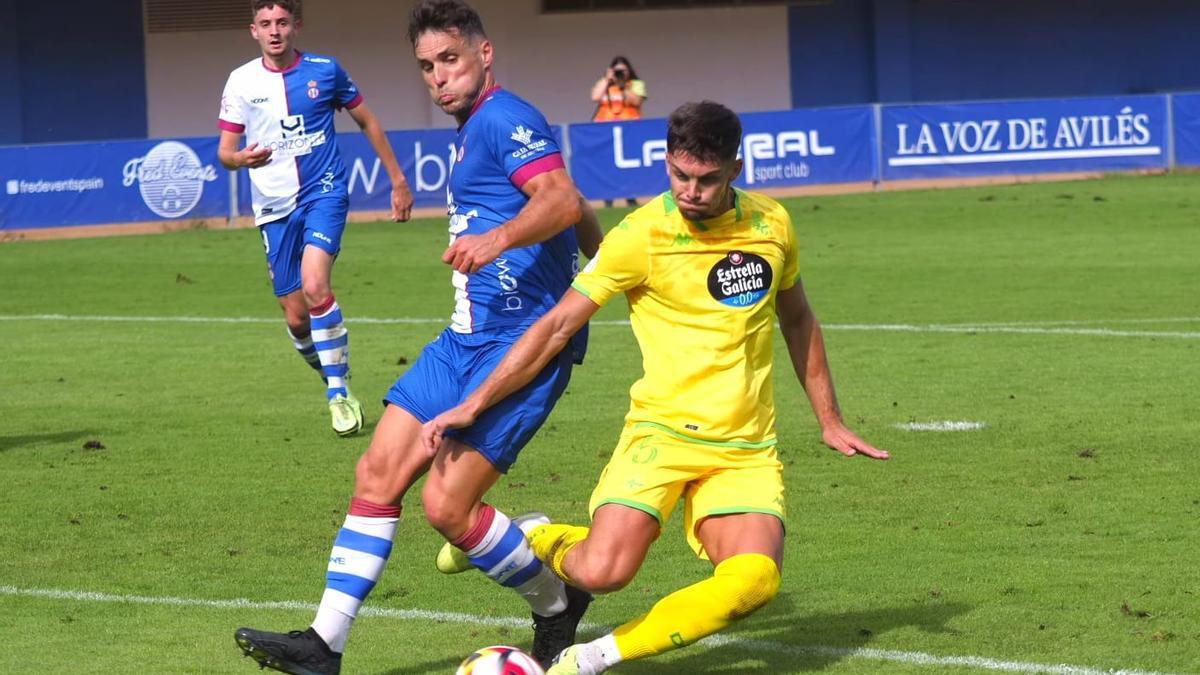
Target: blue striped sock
497	547
356	562
333	346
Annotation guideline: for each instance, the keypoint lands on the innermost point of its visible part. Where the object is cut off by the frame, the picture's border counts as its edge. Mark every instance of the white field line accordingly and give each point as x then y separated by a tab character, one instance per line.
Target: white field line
1016	330
947	425
751	645
871	327
1084	322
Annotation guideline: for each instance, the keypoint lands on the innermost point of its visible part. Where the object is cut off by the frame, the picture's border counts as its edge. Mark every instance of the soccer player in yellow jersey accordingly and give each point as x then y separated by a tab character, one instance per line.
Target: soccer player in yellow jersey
706	269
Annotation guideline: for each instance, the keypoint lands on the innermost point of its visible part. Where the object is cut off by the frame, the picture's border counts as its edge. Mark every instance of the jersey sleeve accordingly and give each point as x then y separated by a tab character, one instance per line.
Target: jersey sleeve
791	251
525	144
638	87
232	116
346	93
622	263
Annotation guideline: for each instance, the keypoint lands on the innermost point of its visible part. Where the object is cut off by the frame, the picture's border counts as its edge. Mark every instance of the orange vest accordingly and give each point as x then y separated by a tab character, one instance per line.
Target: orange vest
613	108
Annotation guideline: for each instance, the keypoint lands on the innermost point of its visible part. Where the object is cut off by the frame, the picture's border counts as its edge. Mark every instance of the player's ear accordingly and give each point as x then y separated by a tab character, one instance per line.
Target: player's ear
485	52
736	170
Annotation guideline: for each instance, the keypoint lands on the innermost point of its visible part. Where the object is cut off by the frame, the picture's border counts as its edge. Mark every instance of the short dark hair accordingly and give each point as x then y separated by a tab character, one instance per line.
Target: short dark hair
444	16
706	130
290	6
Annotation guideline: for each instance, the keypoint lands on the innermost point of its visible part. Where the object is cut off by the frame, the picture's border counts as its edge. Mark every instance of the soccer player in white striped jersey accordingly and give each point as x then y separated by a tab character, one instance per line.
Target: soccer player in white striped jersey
284	103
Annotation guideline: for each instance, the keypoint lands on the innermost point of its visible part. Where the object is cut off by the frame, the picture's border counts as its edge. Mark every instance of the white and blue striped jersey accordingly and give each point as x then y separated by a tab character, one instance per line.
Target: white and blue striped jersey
504	143
290	111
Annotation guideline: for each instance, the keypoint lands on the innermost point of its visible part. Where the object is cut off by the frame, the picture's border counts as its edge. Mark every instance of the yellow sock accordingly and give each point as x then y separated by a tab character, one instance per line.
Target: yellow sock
551	542
738	587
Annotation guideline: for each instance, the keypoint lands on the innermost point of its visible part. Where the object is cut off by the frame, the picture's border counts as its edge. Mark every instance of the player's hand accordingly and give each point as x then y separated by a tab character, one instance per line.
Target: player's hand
838	437
469	252
434	431
402	202
254	156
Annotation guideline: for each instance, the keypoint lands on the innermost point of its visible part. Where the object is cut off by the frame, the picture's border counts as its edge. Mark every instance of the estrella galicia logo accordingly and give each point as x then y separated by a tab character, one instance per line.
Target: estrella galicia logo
740	279
170	178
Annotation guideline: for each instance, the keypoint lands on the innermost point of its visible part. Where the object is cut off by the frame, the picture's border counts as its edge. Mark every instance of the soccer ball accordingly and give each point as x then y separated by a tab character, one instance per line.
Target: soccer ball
499	660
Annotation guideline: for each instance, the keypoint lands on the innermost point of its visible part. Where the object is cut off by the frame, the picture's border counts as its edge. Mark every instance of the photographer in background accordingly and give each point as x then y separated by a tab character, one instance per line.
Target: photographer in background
618	96
619	93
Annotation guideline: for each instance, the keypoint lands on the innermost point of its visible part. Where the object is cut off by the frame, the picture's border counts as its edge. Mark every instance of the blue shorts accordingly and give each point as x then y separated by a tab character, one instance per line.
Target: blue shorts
319	222
453	365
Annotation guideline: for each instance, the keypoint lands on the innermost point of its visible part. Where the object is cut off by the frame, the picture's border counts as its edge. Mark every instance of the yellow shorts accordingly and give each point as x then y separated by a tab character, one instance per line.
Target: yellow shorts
652	468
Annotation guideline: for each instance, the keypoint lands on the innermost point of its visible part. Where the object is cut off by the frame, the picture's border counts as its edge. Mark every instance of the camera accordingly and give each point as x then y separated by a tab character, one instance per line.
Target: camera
620	76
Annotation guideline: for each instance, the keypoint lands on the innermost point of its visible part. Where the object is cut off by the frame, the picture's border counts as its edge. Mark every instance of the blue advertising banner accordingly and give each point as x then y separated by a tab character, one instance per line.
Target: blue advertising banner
613	160
113	182
1024	137
425	156
1185	113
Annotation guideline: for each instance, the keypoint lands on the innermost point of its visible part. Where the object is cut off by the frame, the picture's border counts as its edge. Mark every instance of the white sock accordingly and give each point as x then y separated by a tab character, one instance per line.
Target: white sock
597	656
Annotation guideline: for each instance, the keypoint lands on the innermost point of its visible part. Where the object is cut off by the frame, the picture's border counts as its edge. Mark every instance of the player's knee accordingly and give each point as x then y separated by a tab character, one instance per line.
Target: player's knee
444	513
316	292
752	581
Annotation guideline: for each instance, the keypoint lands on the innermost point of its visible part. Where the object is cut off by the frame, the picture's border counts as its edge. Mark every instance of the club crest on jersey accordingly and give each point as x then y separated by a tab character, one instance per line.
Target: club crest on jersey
529	147
522	135
313	92
740	279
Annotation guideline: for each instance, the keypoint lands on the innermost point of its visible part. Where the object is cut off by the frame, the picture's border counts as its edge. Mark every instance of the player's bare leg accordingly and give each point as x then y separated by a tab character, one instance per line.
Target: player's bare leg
603	558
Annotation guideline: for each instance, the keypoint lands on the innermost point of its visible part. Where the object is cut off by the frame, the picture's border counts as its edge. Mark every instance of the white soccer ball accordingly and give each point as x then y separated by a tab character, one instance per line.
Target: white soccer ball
500	660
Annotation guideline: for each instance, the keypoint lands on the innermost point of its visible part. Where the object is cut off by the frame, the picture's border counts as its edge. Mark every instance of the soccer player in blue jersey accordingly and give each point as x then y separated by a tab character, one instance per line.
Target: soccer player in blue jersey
513	254
284	103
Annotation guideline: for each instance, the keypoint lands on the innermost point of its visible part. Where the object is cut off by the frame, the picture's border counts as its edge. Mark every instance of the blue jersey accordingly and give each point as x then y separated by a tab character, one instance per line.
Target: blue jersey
290	111
504	143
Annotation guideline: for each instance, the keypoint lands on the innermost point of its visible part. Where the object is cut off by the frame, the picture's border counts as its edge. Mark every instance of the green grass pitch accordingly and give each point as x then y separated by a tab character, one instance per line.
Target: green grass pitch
169	472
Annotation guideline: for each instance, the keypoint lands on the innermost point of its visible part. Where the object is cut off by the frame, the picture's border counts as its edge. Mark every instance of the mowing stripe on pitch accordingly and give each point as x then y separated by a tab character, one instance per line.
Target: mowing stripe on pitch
749	644
1018	329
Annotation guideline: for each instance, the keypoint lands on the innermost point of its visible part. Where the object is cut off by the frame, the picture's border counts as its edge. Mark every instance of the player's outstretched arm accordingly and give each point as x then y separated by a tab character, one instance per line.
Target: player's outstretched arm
553	206
402	199
806	347
524	360
587	230
233	159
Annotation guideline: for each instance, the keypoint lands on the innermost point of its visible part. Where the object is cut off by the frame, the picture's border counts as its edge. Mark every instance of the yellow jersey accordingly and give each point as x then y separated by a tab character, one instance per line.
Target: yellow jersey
702	304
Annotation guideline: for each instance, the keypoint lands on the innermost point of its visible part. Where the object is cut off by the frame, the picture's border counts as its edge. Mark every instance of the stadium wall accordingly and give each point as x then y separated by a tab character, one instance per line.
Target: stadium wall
71	71
552	59
892	51
57	59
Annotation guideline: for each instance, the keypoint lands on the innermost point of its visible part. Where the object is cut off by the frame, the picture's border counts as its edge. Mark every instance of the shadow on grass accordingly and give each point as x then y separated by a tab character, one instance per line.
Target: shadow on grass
778	639
16	441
